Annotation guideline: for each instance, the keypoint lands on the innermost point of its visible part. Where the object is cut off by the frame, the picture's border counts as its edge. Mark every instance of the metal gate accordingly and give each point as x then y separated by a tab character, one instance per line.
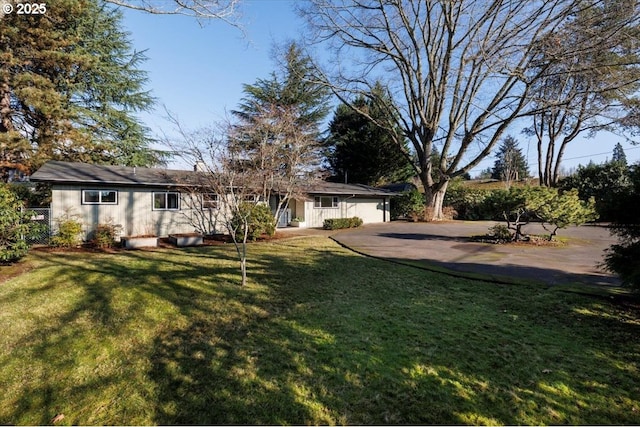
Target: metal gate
41	216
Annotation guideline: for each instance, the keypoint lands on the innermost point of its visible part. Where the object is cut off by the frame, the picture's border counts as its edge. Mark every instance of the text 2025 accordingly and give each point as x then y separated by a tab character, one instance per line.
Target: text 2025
31	8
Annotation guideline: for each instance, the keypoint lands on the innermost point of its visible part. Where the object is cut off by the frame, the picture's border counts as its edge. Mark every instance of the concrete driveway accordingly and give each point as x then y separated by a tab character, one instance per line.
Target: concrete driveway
447	245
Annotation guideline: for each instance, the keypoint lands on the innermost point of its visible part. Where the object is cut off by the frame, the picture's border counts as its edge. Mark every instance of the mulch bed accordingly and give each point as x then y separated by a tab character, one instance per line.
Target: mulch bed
529	241
163	242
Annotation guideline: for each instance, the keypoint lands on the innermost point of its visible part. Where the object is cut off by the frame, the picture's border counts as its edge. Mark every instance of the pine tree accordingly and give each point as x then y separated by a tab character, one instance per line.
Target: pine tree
618	155
510	164
276	139
295	87
362	152
70	87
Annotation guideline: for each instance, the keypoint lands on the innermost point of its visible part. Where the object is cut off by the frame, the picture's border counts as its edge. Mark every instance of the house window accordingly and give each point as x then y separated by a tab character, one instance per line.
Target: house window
325	202
209	200
166	201
99	197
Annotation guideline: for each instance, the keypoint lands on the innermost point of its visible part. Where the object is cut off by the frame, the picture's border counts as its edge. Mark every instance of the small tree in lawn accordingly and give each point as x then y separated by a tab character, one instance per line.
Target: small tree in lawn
219	173
245	166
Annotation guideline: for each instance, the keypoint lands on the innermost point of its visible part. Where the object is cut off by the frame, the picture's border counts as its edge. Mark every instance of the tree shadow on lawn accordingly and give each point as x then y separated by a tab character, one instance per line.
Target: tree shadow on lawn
375	348
329	337
88	340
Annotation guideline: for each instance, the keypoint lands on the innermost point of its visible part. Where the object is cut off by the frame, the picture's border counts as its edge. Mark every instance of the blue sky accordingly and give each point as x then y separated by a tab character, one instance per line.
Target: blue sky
198	72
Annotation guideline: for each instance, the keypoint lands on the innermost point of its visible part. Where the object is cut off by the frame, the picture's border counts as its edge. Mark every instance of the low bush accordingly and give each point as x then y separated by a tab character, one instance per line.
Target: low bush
69	230
104	235
339	223
258	219
501	233
407	204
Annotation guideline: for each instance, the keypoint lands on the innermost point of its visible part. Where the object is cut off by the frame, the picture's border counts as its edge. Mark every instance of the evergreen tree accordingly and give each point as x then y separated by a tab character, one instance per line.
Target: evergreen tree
362	152
510	164
618	155
607	183
70	87
277	137
622	258
295	87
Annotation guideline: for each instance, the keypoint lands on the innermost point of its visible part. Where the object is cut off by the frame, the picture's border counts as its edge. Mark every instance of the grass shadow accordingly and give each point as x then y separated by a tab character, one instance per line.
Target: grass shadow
319	336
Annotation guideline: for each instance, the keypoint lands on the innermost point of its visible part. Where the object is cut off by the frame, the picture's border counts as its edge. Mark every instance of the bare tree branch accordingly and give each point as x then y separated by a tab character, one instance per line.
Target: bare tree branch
454	69
589	81
202	10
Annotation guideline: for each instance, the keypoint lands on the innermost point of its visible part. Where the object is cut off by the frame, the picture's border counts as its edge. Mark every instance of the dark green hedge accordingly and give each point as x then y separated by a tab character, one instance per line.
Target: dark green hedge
338	223
469	203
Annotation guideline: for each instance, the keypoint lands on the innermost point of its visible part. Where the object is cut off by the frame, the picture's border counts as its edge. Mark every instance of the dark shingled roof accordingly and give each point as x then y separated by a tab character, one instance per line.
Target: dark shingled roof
324	187
84	173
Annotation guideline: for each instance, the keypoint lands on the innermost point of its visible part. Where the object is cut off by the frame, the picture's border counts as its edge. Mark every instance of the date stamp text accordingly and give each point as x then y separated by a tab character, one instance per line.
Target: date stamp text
23	8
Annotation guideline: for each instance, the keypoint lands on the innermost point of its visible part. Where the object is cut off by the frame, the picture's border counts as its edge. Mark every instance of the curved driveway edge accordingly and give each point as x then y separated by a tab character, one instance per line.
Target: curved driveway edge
447	245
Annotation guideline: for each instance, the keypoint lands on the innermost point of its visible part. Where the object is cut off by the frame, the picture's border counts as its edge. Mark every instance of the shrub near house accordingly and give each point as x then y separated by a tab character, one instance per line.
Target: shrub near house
15	226
338	223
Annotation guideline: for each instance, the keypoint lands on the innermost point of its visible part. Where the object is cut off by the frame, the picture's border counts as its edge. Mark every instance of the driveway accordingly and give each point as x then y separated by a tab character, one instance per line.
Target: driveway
447	245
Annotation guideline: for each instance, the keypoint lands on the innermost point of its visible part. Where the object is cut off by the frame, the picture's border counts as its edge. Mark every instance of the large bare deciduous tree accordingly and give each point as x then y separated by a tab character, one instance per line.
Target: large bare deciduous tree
455	70
590	81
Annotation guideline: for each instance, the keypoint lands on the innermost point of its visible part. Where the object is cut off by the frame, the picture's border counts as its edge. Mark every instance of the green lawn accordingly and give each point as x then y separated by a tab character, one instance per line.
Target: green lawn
319	336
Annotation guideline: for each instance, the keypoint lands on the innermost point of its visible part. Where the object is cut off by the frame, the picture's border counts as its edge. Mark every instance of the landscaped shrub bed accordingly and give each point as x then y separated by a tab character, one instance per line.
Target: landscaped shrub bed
338	223
469	203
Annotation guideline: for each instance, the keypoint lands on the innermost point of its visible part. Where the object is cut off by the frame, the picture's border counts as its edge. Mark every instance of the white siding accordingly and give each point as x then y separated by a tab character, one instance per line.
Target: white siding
371	210
134	211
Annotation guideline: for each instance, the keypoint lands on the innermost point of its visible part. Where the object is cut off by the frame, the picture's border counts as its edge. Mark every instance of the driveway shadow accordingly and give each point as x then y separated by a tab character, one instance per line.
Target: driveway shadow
447	246
508	272
423	236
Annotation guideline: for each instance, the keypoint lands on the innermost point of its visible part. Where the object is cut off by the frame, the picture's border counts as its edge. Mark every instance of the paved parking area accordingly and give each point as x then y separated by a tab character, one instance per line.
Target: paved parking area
447	244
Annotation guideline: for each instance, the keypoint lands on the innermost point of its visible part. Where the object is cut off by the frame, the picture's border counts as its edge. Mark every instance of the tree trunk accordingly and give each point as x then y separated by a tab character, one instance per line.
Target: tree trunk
243	255
435	200
243	265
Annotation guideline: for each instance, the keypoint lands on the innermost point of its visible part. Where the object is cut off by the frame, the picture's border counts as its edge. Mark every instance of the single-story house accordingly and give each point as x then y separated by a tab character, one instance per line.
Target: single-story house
154	201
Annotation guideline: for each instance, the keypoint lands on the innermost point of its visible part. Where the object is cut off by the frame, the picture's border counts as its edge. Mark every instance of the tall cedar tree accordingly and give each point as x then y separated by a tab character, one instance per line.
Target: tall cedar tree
277	135
360	151
619	155
294	87
510	164
70	87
